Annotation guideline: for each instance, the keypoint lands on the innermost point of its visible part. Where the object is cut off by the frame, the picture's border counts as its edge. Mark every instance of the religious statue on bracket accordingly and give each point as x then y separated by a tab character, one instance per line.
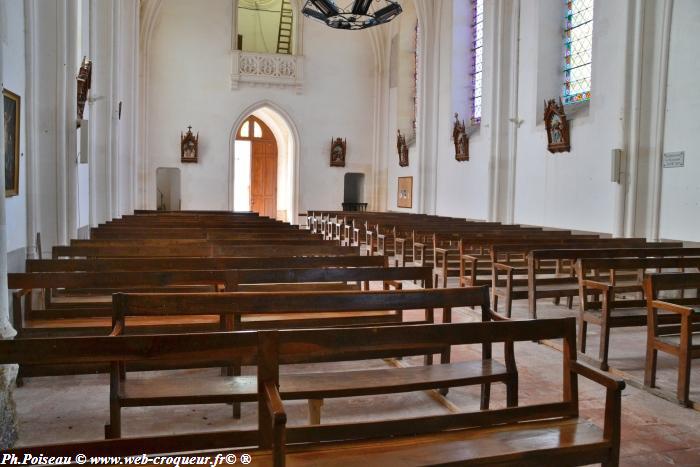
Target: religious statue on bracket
338	150
84	79
402	148
557	126
461	140
188	146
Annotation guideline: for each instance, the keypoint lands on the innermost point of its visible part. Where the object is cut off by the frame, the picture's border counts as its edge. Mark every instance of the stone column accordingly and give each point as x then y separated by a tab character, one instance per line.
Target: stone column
8	425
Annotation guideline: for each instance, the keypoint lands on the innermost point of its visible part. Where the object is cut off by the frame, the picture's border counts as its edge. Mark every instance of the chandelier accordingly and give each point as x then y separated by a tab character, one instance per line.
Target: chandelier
357	14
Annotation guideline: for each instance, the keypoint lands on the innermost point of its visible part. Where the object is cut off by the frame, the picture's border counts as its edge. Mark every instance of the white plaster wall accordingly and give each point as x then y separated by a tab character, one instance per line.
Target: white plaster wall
570	190
462	187
394	169
13	78
45	149
400	107
189	84
680	187
125	92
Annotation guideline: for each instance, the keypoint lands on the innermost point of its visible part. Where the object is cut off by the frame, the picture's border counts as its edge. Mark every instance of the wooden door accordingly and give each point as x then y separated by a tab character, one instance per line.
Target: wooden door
263	170
263	184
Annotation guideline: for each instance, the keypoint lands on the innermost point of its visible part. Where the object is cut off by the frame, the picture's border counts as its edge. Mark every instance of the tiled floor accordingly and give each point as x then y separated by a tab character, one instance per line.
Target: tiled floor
654	431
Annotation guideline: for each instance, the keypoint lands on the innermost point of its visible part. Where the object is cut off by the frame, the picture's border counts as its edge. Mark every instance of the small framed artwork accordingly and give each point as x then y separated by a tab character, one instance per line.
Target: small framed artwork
405	193
11	107
557	126
338	150
188	146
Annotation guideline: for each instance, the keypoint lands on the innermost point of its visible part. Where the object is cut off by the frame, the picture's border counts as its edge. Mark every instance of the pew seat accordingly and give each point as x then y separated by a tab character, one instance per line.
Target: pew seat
138	392
515	444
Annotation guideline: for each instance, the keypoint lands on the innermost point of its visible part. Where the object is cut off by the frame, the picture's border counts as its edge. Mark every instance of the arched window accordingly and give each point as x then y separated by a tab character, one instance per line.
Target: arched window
477	59
578	51
252	129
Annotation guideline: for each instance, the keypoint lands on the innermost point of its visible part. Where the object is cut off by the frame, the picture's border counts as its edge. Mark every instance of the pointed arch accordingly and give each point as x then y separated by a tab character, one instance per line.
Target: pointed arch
271	113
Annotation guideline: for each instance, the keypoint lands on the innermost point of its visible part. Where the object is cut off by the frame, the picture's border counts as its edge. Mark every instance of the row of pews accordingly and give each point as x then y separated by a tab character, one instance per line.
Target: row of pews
613	278
235	291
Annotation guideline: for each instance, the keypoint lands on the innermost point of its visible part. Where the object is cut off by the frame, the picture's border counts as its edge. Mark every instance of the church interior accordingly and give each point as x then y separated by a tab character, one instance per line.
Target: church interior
350	232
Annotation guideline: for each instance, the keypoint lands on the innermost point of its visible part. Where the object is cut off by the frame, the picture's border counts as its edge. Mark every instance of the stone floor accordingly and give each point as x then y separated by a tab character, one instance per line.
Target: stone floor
655	431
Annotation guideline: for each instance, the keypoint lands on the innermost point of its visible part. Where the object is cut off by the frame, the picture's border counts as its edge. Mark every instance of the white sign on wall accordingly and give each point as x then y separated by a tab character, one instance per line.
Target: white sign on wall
674	159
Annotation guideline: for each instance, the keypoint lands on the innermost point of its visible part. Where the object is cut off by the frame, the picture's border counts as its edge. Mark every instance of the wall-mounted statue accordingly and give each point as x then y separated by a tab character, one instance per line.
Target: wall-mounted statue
84	80
338	149
558	139
461	140
402	148
188	146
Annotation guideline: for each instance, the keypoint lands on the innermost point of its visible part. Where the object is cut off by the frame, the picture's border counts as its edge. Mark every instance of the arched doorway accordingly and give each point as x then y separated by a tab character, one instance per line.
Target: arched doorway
256	168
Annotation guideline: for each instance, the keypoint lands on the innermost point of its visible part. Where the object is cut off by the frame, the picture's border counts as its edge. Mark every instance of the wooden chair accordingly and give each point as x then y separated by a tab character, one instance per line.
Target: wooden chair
623	276
677	338
533	277
566	257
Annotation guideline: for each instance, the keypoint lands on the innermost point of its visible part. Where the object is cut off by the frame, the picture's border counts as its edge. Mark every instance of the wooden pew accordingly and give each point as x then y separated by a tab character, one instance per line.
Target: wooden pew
127	393
390	230
200	234
555	434
92	317
184	212
184	264
190	243
678	338
460	255
96	318
532	277
114	351
398	243
100	284
202	251
475	267
567	256
613	311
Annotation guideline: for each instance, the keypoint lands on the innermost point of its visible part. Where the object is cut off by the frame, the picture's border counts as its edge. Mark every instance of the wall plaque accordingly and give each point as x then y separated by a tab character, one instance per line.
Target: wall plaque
674	159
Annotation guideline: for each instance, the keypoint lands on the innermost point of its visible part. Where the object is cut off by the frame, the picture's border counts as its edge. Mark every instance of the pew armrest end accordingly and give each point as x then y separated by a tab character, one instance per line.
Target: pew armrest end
274	404
611	383
672	307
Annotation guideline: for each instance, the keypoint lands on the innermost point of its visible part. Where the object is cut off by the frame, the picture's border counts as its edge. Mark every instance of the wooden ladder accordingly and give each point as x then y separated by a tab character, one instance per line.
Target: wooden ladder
284	35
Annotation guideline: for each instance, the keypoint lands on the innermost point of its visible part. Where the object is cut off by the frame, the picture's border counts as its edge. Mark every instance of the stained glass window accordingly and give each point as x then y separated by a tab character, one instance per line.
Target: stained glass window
477	58
578	51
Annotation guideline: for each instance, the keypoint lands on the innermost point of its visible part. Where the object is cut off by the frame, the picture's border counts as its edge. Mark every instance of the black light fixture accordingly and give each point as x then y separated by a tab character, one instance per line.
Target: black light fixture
356	14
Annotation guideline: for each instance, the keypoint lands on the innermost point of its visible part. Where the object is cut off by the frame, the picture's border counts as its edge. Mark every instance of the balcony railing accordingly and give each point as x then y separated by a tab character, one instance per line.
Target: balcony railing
260	69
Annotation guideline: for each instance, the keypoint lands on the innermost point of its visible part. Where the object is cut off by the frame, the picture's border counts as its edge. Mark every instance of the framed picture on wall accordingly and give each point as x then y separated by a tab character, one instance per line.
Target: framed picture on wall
405	192
11	106
338	149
